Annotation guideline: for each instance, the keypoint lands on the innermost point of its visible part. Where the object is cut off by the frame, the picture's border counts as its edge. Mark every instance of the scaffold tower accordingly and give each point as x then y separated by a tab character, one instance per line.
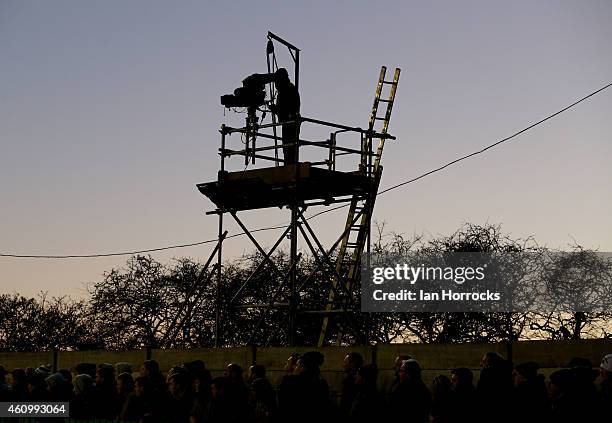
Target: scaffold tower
300	186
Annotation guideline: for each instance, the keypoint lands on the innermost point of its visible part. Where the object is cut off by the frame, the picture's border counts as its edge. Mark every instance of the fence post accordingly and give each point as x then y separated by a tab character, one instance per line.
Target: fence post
55	359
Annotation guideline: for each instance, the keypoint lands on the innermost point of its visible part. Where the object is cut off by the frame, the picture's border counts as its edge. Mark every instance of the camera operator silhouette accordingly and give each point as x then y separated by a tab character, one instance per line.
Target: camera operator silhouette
252	94
287	109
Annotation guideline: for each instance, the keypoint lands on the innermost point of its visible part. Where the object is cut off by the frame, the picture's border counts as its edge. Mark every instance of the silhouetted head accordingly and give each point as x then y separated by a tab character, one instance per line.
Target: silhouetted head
150	368
105	376
18	378
491	359
410	370
367	375
142	386
310	362
281	77
561	382
178	384
525	372
67	375
441	386
125	383
397	364
83	384
55	382
234	371
219	388
257	371
462	377
352	362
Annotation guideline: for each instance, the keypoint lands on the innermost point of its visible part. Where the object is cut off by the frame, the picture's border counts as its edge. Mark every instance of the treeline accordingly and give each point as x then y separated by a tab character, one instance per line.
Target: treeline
149	304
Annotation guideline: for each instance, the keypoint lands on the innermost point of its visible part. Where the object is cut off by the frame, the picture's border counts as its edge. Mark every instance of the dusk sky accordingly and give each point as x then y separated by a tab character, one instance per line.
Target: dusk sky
109	116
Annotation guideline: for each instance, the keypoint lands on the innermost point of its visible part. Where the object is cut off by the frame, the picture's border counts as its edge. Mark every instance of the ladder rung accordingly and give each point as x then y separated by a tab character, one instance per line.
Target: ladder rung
380	118
352	244
390	82
384	100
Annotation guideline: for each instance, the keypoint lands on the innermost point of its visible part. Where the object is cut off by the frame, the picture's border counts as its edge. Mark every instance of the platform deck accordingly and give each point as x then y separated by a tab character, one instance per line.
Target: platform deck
276	186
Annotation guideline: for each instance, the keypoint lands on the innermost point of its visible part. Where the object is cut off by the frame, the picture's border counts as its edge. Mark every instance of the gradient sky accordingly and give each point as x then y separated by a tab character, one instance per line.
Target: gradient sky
109	112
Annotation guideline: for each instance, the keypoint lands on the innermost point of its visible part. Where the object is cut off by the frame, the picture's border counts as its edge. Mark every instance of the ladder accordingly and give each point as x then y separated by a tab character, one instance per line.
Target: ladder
357	227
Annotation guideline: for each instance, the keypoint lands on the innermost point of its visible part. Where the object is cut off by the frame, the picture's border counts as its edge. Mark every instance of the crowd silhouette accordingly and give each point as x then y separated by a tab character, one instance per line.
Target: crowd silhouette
188	392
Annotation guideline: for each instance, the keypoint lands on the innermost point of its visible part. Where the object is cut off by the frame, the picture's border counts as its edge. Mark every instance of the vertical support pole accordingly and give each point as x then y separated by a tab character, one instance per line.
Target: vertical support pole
220	251
294	255
293	276
371	196
55	359
297	69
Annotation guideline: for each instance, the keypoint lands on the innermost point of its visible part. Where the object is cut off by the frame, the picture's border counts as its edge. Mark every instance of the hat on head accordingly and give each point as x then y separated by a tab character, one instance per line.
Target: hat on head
43	370
55	379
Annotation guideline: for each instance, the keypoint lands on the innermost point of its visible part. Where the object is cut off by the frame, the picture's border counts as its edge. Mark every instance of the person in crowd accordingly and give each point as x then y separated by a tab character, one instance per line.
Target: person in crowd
304	396
58	388
201	380
125	386
256	371
352	362
200	375
397	365
181	397
442	400
604	385
5	388
368	404
37	387
142	403
262	400
494	388
463	395
239	390
83	400
68	377
106	398
19	385
411	400
150	370
529	396
263	392
572	395
224	407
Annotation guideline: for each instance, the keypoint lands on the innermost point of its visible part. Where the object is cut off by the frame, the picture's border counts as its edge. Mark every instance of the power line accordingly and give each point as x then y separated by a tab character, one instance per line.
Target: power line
131	253
495	144
391	188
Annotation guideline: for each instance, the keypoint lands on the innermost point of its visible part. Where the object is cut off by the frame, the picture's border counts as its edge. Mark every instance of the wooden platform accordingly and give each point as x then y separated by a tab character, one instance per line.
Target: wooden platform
276	186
